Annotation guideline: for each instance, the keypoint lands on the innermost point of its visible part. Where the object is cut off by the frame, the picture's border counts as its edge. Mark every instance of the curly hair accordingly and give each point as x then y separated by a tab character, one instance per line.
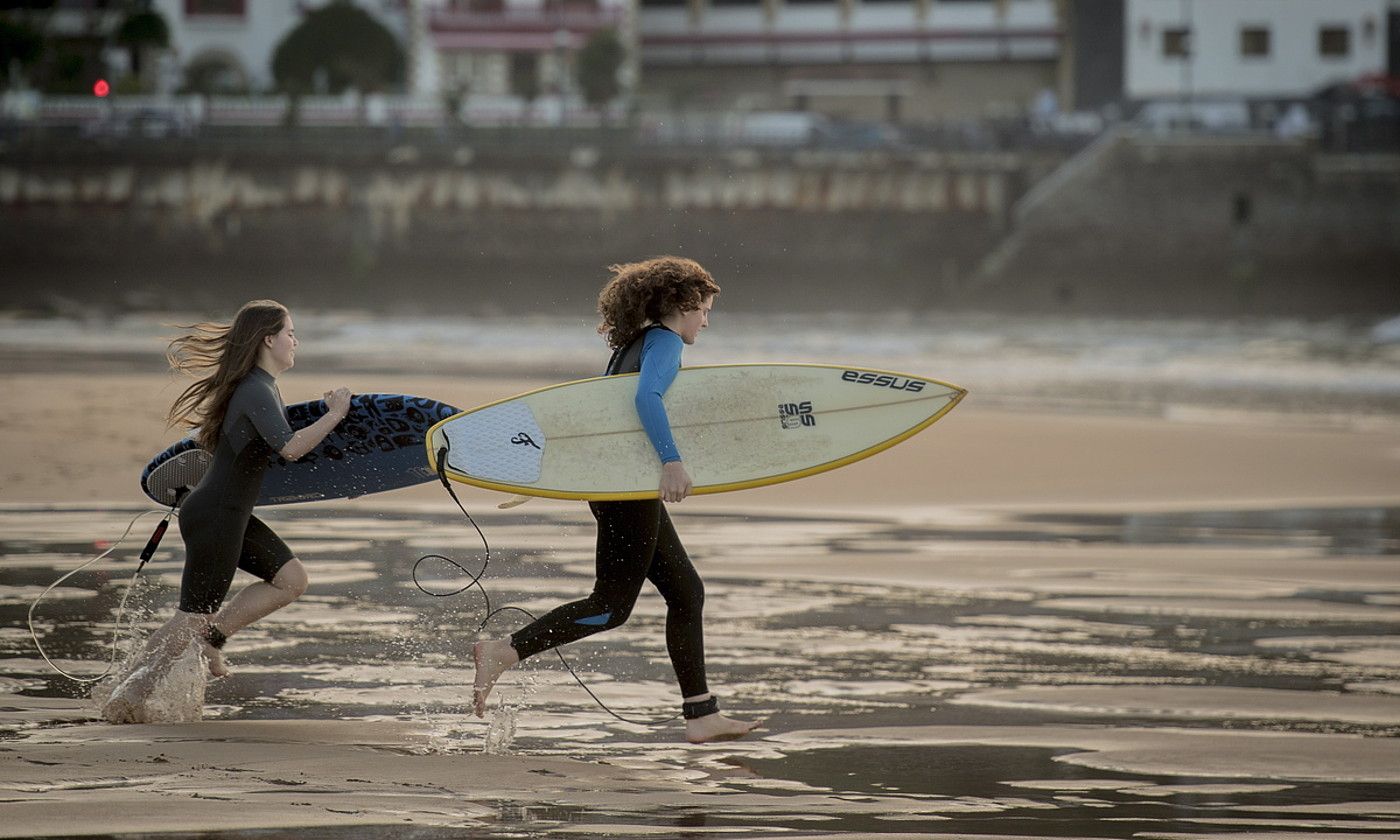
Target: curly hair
647	291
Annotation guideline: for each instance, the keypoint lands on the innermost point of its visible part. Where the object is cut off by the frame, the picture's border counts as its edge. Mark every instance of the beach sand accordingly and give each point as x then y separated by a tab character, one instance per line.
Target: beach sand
96	432
1016	616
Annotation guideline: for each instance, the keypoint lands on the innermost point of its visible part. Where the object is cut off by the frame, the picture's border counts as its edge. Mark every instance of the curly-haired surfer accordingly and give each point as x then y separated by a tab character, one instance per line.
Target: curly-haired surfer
650	310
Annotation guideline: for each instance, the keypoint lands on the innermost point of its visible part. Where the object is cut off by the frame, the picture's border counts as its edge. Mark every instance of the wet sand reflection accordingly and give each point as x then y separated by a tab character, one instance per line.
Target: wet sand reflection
1003	675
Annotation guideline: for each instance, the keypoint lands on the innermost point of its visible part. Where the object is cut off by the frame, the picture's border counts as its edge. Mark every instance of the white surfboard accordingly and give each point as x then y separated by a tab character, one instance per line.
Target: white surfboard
736	426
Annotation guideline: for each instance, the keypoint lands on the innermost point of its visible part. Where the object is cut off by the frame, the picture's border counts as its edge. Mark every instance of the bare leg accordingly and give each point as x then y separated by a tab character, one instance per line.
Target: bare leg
258	600
255	601
492	659
715	727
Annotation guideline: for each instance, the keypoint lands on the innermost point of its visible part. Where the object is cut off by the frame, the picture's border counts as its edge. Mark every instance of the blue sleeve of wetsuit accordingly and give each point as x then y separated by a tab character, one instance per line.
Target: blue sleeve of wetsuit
264	408
661	359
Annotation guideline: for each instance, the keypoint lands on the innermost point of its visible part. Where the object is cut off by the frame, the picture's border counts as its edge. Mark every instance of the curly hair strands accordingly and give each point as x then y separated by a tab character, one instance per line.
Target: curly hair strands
643	292
219	355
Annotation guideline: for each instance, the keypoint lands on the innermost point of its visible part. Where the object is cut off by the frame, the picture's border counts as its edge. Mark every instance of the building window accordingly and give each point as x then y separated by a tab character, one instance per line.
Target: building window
1334	41
1254	42
231	8
1176	43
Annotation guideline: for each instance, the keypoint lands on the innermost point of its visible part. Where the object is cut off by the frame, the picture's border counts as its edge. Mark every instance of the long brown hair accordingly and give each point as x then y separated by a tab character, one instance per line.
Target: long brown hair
649	291
228	352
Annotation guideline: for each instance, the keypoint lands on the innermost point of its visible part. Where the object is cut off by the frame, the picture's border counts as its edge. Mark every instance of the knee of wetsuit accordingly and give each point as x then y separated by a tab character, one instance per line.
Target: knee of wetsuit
690	599
695	596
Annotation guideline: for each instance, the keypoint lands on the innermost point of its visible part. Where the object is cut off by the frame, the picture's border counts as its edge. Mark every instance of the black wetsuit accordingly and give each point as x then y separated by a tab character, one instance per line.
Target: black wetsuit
216	520
636	543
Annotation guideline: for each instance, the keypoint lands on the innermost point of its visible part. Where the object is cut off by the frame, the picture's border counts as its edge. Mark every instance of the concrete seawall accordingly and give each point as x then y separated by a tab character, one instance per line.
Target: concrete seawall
1135	226
1206	225
810	232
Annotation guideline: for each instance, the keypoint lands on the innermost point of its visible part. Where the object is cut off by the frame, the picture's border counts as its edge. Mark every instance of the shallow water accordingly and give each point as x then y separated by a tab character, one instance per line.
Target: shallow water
1335	373
1034	675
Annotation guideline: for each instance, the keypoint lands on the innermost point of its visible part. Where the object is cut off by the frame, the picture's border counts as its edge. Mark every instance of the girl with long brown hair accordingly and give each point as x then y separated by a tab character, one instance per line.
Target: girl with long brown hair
240	419
650	310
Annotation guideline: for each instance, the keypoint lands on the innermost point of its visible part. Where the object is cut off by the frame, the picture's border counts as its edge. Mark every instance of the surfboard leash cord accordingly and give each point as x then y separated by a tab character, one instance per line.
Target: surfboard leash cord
146	555
474	581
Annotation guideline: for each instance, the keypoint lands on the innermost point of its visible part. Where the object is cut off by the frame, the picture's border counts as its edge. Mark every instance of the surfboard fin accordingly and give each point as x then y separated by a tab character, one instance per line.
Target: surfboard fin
513	501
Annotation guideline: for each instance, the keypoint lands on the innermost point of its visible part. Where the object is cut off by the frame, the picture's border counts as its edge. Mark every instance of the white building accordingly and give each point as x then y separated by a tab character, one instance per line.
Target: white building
486	48
235	39
1250	49
871	58
501	48
896	59
834	32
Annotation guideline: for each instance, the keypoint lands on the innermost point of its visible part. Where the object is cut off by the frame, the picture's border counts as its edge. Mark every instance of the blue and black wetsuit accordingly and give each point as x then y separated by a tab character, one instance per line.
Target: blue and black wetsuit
216	519
636	541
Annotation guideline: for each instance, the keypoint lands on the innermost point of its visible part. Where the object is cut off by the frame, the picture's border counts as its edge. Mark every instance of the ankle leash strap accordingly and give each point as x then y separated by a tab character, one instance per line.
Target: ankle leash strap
699	708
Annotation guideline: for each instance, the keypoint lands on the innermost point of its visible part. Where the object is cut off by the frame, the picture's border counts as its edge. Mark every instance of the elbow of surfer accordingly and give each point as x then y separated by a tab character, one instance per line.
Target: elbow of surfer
305	440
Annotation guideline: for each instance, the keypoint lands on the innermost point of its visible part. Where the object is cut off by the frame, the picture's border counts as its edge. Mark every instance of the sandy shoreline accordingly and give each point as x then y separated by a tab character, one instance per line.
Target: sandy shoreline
86	445
93	433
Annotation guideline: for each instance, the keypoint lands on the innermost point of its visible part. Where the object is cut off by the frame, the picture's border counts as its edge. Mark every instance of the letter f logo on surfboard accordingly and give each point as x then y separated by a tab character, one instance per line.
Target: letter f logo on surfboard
523	439
737	426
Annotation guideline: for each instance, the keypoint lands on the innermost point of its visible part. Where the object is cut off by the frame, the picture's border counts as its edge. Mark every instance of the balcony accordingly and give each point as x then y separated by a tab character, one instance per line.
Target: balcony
495	25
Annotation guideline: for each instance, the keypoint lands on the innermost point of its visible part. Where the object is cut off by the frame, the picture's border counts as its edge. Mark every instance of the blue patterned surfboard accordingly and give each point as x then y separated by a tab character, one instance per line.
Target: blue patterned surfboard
378	446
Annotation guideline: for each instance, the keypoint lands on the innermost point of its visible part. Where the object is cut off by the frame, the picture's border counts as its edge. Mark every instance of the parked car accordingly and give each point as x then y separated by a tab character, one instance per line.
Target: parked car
1361	115
789	129
149	123
1205	115
858	136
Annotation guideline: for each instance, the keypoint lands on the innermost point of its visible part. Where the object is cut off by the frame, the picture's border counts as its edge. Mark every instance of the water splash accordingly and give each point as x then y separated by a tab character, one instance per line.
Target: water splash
501	721
500	728
177	696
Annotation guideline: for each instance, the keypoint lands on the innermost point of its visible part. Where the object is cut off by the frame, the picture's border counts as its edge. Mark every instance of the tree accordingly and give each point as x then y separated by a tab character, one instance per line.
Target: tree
598	62
343	44
141	30
71	65
20	47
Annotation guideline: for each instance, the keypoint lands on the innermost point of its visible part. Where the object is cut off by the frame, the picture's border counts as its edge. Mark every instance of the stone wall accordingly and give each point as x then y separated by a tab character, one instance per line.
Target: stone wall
804	232
1133	226
1222	226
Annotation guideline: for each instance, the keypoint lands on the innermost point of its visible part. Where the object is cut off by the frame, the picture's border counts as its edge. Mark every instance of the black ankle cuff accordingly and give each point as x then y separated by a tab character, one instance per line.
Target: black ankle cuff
215	637
699	708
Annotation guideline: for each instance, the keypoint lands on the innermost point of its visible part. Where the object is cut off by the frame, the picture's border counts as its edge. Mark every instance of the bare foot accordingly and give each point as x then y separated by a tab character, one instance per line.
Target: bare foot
214	659
492	659
717	727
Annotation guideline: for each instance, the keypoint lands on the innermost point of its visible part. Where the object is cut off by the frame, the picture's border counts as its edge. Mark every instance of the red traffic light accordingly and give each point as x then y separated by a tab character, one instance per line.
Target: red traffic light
100	88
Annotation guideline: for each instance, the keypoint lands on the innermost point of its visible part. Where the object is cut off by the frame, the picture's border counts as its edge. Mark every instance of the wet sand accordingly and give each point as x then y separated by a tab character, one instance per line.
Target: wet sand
1014	624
